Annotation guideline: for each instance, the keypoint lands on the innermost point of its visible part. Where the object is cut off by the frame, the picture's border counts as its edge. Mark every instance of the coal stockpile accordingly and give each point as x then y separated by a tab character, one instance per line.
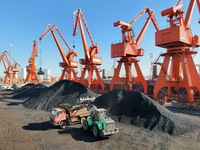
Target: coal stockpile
64	91
137	109
29	91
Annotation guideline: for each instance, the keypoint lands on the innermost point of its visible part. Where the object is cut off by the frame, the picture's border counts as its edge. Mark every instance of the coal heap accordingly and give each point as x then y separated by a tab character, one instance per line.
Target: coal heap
137	109
29	91
64	91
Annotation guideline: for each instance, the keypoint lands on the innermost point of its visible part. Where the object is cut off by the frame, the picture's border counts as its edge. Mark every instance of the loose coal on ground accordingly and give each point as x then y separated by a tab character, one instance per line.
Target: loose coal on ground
64	91
135	108
29	91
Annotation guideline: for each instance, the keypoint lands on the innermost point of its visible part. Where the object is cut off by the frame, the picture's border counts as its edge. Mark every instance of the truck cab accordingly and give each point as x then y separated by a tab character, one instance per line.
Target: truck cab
58	117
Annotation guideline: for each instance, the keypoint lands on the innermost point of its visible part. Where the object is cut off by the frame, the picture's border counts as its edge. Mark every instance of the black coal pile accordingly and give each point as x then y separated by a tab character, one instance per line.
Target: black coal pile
64	91
29	91
137	109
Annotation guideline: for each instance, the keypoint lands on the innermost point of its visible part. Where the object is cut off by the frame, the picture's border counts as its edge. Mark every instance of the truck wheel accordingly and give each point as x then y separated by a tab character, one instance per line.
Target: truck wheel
82	120
95	131
63	124
85	125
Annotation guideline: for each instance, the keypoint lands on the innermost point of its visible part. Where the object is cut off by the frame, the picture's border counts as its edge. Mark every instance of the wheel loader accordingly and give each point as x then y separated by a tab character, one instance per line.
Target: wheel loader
100	123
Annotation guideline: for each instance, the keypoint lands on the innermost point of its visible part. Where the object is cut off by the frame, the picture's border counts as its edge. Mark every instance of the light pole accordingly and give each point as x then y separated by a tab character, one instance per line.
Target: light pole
11	64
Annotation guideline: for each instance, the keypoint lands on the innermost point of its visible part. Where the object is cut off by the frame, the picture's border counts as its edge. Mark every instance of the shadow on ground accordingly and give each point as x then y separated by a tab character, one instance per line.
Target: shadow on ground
42	126
14	103
79	134
10	102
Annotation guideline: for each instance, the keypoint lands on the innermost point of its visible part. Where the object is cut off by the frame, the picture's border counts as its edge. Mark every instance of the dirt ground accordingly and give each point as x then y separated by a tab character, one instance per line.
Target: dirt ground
22	128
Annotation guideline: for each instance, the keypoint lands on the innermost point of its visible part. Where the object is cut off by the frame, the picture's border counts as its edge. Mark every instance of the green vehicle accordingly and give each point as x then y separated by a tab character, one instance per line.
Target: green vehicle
100	123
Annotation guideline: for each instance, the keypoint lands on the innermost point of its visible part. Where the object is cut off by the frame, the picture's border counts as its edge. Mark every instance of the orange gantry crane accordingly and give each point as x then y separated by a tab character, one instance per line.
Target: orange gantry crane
90	62
68	63
178	72
11	70
31	68
128	50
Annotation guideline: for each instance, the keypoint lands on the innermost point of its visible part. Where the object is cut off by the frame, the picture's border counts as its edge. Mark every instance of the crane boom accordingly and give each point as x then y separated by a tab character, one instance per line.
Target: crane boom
50	28
151	18
188	16
79	16
68	64
93	49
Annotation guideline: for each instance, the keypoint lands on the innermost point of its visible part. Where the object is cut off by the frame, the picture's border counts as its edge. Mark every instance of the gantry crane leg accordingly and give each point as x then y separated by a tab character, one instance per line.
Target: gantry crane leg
67	74
127	61
71	72
188	80
140	78
99	79
15	79
62	75
6	80
90	69
31	76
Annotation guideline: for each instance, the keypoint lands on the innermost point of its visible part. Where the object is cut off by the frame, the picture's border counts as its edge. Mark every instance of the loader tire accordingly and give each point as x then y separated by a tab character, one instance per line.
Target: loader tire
95	131
85	125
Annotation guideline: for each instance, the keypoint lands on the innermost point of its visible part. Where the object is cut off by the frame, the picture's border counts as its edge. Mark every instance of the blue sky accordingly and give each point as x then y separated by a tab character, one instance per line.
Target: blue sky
23	21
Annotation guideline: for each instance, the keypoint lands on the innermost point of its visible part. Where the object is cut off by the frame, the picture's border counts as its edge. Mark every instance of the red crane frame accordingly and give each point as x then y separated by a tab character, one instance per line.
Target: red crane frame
31	68
129	49
178	70
68	63
90	62
11	70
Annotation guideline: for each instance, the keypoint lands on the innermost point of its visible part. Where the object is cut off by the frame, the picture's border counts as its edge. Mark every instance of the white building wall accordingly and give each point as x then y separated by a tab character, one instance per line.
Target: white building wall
47	75
22	74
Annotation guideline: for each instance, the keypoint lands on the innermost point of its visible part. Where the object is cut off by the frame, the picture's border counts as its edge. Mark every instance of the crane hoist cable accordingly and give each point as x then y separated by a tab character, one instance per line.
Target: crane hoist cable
40	70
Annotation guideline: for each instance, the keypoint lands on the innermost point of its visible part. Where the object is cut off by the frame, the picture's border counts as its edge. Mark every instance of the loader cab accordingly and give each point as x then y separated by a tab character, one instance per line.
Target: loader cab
100	113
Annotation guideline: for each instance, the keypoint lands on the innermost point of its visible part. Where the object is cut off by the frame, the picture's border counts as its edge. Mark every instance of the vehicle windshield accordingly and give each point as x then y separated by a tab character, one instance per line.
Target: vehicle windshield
102	114
53	112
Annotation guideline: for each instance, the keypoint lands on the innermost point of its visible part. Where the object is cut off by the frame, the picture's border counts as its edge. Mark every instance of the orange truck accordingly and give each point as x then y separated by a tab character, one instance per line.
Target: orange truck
68	114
